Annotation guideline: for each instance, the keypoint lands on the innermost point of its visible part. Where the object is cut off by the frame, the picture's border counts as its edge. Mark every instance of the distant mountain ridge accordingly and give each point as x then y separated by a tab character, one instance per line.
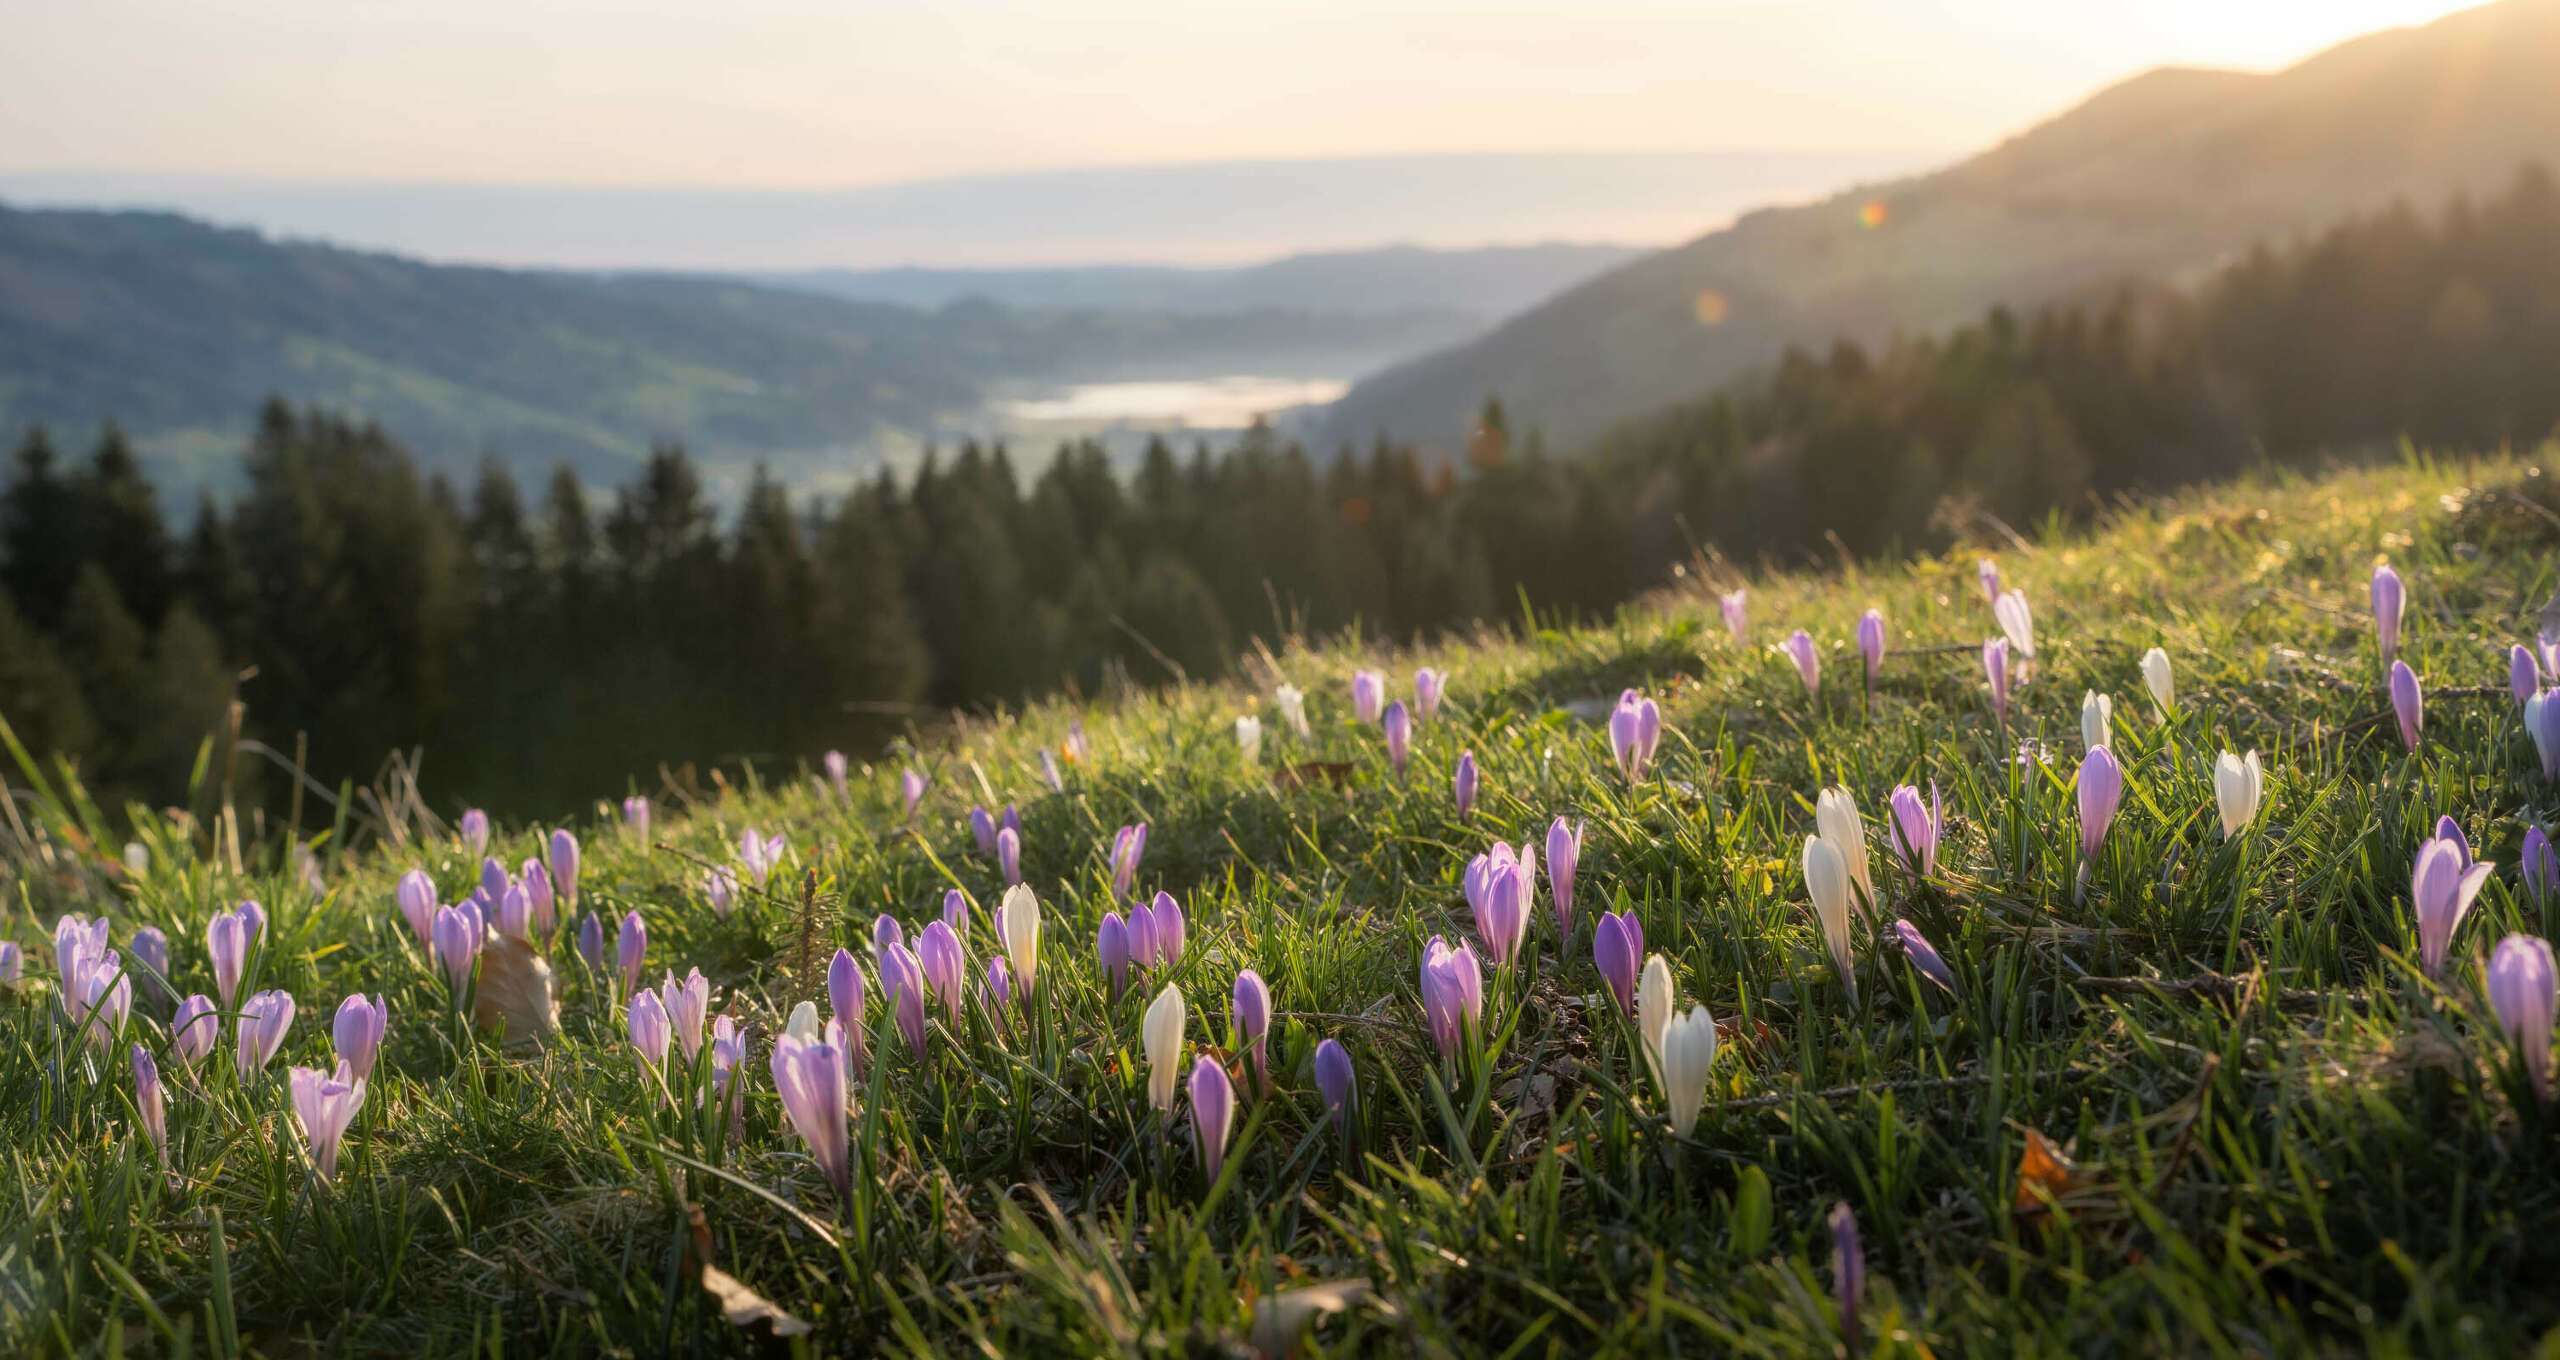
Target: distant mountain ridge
2155	178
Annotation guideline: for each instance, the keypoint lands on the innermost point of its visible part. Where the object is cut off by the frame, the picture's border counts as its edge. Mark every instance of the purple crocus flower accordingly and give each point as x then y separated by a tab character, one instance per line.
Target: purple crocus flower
2408	702
1564	855
651	1031
1128	845
1848	1271
195	1030
902	984
1995	667
1165	930
1049	772
1916	829
150	950
2388	597
635	816
2541	867
2524	675
911	791
631	949
493	884
1871	644
996	992
458	938
1399	728
688	1007
945	962
226	943
1213	1110
416	898
357	1030
1111	949
955	910
1452	995
513	917
564	867
982	829
1988	572
845	1000
155	1112
591	941
885	931
1337	1081
2447	829
13	965
102	999
1635	731
2542	724
324	1104
541	901
77	943
1251	1014
1617	949
1500	885
1009	854
264	1018
837	767
1142	935
1368	695
728	1053
1463	784
2100	789
810	1074
475	830
1736	615
1428	685
1924	956
1800	649
2441	889
2524	990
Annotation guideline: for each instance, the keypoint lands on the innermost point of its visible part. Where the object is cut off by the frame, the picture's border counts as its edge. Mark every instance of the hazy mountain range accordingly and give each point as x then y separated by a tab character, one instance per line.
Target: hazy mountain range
2154	178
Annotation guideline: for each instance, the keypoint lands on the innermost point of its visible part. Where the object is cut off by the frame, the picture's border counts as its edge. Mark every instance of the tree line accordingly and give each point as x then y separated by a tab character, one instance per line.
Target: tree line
545	648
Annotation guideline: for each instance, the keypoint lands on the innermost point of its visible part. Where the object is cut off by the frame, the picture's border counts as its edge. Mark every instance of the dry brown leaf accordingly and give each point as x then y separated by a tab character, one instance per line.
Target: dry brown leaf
515	996
1280	1320
2045	1177
745	1307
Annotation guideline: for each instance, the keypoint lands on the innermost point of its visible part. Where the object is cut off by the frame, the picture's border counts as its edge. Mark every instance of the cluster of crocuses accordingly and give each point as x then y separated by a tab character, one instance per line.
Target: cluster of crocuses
1000	839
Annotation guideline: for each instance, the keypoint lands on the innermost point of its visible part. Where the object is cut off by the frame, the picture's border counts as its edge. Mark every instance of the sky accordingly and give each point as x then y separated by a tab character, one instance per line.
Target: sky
806	94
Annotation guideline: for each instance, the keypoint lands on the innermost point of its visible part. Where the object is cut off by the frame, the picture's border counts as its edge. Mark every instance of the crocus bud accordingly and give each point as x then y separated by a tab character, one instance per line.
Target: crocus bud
1916	828
459	936
885	931
1871	643
1735	605
264	1018
1292	703
155	1112
542	900
1995	668
1848	1271
1399	729
1452	996
945	962
1808	659
514	916
1336	1081
1165	929
650	1031
1250	1017
982	829
1128	845
836	766
1635	731
911	791
2408	702
688	1007
2238	784
1924	956
1827	882
2155	677
2441	890
902	979
324	1104
1049	772
1988	572
2388	597
955	911
1018	923
101	999
1213	1109
416	897
13	965
1688	1052
137	858
1656	998
2017	622
1111	950
591	941
845	993
150	950
1463	784
1617	949
1368	695
1009	855
2097	719
1500	889
1142	935
1564	855
2100	789
2524	675
2541	866
493	883
2542	724
635	816
1249	738
1160	1033
810	1075
357	1030
564	866
1835	816
2525	992
475	830
226	943
195	1030
995	989
1428	685
631	949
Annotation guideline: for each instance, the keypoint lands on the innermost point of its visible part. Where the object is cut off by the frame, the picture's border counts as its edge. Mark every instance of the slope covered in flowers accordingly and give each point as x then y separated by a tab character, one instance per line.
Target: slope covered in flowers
2191	1087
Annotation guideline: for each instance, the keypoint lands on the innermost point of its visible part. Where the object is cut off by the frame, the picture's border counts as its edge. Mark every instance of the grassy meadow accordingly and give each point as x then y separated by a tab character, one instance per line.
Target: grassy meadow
2206	1102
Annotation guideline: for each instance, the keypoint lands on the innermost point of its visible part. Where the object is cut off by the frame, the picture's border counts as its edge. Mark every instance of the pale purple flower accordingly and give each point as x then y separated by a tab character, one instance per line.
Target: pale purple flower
1452	996
13	965
458	934
945	963
541	898
1009	854
226	943
688	1008
1251	1015
264	1018
1848	1271
1871	643
1368	695
2408	702
728	1054
1463	784
845	1001
2388	597
982	829
2524	990
996	992
1924	956
902	984
1078	749
1049	772
325	1104
810	1074
564	867
357	1030
1916	829
475	830
1399	728
1995	668
2524	676
1500	886
1988	572
631	949
721	888
1337	1081
2447	829
1428	686
79	942
635	816
836	767
1617	949
1736	616
514	915
1564	855
102	999
1142	935
591	942
911	791
2541	867
493	882
885	931
1111	950
195	1030
2100	789
2542	724
1127	846
2441	889
2017	622
150	950
1808	659
1635	732
155	1111
416	897
955	910
760	855
651	1032
1213	1110
1165	929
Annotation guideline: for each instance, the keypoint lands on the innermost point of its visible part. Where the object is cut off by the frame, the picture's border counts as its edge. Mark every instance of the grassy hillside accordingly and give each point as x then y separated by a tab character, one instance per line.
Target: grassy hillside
2162	175
2281	1136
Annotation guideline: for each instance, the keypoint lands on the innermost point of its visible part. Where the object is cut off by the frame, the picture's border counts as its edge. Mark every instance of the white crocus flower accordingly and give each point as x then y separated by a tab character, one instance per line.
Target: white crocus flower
1655	997
1688	1051
2238	784
1293	707
1161	1034
2155	674
1826	880
1249	737
2097	720
1018	922
1835	815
